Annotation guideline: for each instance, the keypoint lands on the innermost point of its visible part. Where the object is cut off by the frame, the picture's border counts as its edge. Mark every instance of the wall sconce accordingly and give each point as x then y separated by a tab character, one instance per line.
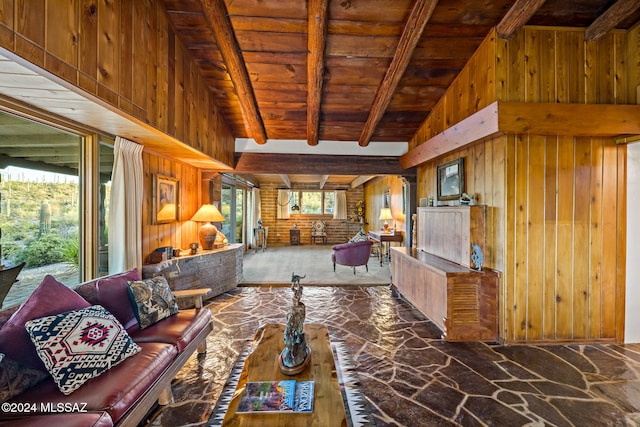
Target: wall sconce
208	231
385	214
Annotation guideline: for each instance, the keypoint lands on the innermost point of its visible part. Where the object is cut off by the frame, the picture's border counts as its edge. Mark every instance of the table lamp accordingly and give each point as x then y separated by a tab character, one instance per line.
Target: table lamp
207	234
385	214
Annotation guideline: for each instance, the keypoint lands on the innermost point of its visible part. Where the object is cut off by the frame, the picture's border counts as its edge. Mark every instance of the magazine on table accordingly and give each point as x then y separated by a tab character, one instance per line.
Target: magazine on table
277	396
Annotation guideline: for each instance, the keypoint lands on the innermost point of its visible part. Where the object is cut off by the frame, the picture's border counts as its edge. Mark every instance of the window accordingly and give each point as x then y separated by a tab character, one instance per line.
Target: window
54	202
312	202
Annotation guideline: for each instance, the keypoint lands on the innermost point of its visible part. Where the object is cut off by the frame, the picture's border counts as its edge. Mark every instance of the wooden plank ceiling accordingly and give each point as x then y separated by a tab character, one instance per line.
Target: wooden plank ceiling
353	70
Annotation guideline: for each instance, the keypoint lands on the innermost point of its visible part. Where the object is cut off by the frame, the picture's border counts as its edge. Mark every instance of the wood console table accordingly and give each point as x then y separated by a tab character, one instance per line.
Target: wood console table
462	302
219	270
262	365
382	238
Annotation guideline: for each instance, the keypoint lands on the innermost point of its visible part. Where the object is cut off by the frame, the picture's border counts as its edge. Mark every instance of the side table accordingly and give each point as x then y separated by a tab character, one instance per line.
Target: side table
294	236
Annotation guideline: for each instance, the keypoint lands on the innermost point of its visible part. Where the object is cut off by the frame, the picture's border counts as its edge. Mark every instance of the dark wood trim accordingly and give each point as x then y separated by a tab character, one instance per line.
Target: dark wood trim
317	40
217	17
411	34
517	17
318	164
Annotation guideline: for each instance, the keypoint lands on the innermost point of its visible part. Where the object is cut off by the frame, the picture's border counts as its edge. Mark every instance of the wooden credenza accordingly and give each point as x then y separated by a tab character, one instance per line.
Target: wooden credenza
462	302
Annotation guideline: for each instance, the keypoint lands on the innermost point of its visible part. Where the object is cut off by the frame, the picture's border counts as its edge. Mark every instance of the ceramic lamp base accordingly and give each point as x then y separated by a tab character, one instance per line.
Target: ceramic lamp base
207	235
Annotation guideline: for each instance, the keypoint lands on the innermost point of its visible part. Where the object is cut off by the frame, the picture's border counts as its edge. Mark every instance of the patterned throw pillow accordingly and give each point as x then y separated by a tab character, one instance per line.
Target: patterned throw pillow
152	300
79	345
15	378
359	237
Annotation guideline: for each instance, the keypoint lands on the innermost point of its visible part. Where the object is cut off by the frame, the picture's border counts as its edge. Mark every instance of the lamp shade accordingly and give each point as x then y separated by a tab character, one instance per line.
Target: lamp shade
385	213
208	213
208	231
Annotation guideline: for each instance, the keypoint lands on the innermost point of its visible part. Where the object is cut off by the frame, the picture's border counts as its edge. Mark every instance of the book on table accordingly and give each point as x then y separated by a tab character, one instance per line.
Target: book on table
277	396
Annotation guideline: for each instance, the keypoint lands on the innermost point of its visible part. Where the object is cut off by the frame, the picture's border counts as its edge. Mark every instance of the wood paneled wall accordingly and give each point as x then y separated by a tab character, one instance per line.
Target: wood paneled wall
190	193
556	211
126	54
374	195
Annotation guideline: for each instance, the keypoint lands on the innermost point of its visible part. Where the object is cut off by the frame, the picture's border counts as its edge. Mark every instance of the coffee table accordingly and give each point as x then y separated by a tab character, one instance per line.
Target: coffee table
262	365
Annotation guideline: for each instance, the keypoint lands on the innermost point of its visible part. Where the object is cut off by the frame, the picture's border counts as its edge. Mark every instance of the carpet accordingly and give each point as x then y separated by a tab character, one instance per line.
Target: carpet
275	265
356	406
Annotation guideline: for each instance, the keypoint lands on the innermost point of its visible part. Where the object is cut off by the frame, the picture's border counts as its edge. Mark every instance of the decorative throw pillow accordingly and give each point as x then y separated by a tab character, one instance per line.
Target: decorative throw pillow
152	300
113	295
79	345
15	378
50	297
359	237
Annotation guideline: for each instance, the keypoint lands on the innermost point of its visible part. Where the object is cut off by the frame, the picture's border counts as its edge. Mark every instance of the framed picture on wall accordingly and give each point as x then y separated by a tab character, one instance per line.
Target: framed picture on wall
165	203
451	179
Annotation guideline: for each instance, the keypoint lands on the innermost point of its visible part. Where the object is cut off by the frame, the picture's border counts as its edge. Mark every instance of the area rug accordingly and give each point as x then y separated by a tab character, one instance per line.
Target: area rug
275	265
355	403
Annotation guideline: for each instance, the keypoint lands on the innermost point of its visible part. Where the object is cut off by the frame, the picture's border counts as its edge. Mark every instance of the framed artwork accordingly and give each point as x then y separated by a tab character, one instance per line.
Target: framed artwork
165	203
451	179
387	199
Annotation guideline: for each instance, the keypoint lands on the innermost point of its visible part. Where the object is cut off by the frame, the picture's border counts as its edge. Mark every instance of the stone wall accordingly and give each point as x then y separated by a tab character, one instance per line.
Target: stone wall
338	231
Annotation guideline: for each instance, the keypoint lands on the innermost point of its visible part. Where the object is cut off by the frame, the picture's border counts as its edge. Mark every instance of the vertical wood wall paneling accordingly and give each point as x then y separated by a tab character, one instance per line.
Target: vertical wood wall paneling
87	52
108	43
141	57
633	65
374	195
6	23
556	200
30	26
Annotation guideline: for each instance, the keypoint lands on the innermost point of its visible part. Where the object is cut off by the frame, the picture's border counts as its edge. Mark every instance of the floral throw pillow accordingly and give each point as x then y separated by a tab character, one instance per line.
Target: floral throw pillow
15	378
79	345
152	300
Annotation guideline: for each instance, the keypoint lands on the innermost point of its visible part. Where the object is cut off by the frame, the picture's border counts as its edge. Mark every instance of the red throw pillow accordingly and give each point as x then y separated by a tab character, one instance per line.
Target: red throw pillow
49	298
113	295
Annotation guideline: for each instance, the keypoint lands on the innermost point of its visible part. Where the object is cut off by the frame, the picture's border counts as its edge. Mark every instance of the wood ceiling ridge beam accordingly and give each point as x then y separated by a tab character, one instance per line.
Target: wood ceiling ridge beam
411	33
522	118
316	42
517	16
218	20
617	13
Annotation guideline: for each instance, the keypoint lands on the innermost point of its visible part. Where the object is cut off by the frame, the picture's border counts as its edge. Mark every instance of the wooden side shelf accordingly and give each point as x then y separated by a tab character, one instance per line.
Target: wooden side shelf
462	302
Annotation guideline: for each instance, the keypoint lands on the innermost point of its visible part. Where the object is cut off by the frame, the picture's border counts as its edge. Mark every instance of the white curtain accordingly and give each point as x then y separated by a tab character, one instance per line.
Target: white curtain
283	204
254	214
125	207
341	205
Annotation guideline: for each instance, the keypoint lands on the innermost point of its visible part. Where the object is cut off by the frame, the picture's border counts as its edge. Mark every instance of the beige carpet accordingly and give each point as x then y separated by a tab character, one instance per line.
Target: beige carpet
275	265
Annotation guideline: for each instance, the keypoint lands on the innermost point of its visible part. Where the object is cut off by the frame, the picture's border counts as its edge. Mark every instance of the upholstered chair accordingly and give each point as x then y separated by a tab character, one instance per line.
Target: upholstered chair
352	254
7	278
319	230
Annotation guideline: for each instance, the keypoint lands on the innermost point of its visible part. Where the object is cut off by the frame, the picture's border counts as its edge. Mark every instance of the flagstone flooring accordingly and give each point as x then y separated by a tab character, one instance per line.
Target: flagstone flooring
410	376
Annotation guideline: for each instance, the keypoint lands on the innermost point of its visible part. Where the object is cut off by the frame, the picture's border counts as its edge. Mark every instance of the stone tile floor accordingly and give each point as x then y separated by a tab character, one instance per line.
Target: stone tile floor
410	376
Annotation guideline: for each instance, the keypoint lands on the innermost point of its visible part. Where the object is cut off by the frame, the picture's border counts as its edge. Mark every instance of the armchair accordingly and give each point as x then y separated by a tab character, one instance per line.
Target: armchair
319	230
352	254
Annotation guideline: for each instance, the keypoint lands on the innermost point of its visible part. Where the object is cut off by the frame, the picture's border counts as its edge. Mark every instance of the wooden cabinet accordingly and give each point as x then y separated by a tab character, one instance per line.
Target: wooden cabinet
462	302
437	279
294	236
449	231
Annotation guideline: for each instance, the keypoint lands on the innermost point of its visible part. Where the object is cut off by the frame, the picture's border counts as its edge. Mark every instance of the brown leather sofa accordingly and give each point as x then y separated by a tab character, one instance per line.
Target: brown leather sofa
125	393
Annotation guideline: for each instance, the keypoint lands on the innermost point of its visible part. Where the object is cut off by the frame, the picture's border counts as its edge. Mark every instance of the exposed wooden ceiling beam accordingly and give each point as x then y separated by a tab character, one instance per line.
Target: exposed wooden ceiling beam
216	14
316	41
411	34
318	164
360	180
323	181
286	180
617	13
517	16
